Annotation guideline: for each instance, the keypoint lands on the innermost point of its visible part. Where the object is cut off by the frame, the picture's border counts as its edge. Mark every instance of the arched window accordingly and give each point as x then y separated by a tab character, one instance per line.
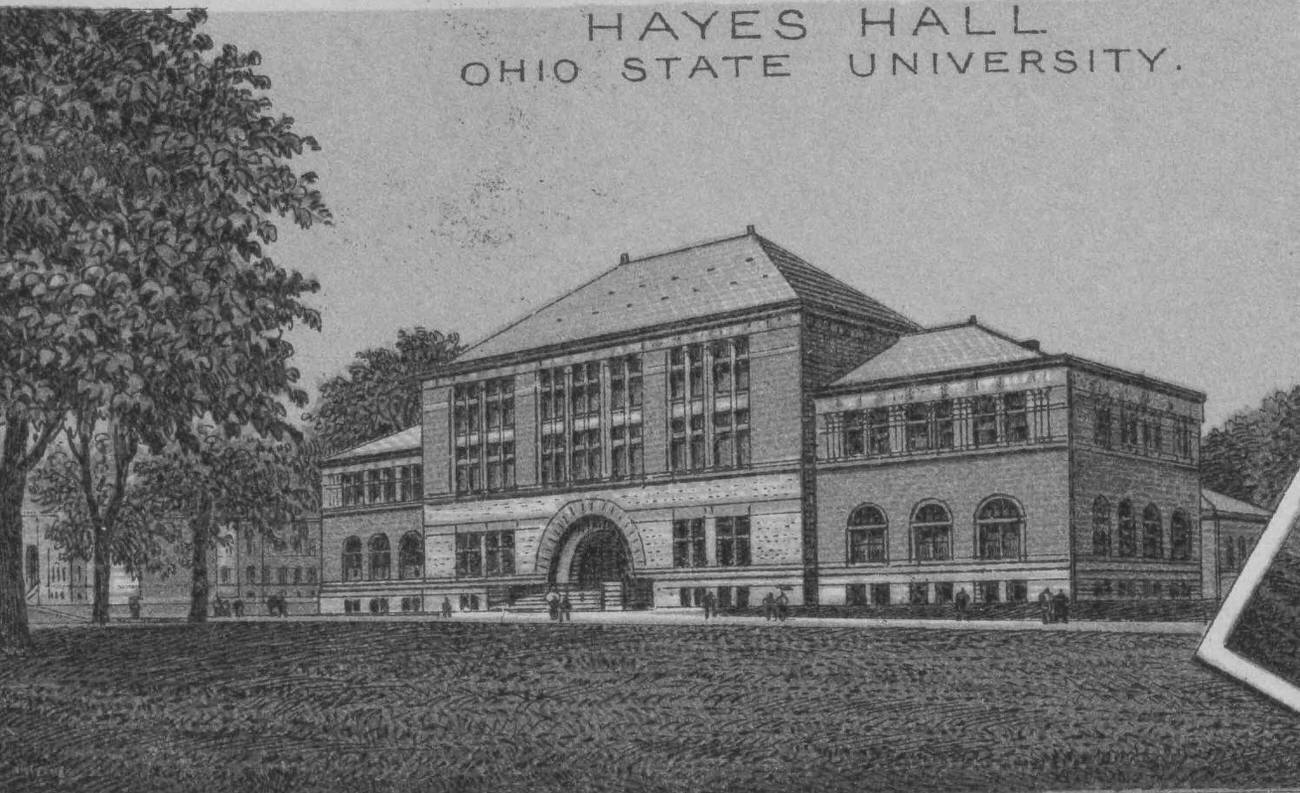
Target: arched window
868	535
1101	527
931	533
352	559
410	556
381	558
1180	536
1153	543
998	526
1127	529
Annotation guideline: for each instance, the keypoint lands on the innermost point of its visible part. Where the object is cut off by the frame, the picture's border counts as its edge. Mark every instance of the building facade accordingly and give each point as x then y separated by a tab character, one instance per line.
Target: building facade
728	419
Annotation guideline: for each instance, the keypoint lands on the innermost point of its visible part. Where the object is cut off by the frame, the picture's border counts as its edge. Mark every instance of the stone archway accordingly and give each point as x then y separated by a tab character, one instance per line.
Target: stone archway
592	529
592	553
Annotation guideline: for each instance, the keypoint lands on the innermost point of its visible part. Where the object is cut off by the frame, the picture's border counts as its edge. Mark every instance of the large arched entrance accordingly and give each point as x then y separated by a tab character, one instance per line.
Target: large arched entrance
592	552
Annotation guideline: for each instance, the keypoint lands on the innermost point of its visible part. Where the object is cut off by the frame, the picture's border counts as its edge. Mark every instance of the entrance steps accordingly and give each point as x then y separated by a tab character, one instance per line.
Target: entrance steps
582	600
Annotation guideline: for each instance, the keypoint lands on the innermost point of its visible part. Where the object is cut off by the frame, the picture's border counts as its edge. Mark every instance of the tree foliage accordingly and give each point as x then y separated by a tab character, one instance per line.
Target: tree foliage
247	481
380	394
141	176
1256	453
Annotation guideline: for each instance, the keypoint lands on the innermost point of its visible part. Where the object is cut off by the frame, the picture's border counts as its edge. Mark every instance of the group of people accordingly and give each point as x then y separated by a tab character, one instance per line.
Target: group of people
776	607
559	606
1055	608
277	605
227	608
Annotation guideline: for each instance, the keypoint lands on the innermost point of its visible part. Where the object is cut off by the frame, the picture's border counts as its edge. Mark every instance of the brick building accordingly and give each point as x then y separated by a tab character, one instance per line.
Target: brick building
727	418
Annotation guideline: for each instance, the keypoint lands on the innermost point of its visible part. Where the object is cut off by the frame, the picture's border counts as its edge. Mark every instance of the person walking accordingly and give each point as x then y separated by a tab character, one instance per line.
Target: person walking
446	608
1045	604
962	601
1061	607
782	606
566	608
710	604
553	604
769	607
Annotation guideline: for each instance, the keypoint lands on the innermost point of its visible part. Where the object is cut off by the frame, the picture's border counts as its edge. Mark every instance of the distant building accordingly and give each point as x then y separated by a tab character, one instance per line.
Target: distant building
727	418
1232	527
59	582
251	565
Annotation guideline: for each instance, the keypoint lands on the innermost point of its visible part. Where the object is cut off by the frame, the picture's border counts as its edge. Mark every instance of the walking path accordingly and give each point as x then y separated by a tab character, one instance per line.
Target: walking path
695	617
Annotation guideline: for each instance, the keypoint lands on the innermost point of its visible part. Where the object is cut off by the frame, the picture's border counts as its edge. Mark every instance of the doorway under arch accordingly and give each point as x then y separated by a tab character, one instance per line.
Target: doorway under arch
593	552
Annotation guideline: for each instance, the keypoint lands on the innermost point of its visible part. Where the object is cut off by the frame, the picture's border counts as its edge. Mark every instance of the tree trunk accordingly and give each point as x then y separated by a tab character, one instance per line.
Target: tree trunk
14	632
200	531
103	571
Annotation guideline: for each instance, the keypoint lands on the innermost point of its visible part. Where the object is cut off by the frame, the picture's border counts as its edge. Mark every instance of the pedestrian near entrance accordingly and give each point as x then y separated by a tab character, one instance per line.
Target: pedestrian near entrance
769	607
446	608
566	608
1061	607
1045	604
553	604
961	601
710	603
782	607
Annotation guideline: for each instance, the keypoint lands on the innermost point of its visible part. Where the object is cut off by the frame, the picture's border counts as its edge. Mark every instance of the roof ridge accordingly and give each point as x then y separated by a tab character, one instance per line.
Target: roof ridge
973	322
645	257
418	425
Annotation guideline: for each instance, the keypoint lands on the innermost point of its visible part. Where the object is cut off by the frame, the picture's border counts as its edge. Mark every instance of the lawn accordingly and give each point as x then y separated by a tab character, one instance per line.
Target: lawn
437	706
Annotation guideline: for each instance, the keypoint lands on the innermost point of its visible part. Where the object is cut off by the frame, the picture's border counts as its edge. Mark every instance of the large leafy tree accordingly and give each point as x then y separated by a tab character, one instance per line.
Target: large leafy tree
1256	453
380	394
140	179
252	482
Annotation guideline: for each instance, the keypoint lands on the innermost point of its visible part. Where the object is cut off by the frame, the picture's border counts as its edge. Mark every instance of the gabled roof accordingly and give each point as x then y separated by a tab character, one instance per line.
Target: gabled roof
711	278
941	349
1222	503
408	440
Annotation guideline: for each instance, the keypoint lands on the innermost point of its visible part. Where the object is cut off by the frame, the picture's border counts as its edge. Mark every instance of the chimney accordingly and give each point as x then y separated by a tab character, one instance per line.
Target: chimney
750	230
971	320
623	258
1030	344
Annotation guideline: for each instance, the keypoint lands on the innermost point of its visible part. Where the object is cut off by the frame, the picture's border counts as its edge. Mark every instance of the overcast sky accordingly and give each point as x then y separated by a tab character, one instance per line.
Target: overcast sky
1146	218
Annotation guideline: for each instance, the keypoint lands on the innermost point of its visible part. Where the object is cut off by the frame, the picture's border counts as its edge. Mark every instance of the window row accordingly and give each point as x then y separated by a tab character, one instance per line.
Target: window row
922	593
1107	589
731	543
270	575
483	426
374	560
1127	541
572	430
713	432
999	532
482	554
941	425
375	486
1142	431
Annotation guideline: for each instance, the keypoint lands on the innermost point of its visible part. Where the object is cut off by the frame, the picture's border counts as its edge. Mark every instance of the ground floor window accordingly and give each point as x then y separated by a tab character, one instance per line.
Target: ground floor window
943	592
1018	591
412	603
880	594
1101	588
379	605
856	595
351	606
989	591
918	594
469	602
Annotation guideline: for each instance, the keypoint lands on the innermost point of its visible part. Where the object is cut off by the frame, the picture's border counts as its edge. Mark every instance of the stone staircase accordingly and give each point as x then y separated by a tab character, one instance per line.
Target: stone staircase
582	600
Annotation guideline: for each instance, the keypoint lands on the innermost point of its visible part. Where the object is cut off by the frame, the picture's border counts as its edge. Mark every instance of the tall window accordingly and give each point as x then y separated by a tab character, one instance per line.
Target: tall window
687	445
626	395
1127	529
380	557
1016	407
1128	430
552	458
410	483
917	416
1152	533
931	533
984	420
499	418
410	556
733	549
1180	536
499	553
688	543
1183	438
868	532
1101	429
467	423
584	460
351	560
999	524
469	555
1101	527
731	402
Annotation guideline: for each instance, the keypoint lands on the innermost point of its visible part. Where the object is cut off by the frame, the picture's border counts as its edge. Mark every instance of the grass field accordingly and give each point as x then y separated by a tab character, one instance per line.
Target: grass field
439	706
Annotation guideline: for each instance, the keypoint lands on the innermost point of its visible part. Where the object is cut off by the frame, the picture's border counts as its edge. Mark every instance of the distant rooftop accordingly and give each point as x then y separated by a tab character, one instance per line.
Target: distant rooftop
942	349
406	440
706	279
1222	503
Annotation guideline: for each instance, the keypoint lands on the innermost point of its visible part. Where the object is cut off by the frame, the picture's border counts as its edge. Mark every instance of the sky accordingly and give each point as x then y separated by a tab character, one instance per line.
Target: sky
1145	218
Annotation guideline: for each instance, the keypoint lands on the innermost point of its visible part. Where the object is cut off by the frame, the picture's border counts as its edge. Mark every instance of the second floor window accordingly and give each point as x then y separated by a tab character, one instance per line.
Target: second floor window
733	541
688	543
